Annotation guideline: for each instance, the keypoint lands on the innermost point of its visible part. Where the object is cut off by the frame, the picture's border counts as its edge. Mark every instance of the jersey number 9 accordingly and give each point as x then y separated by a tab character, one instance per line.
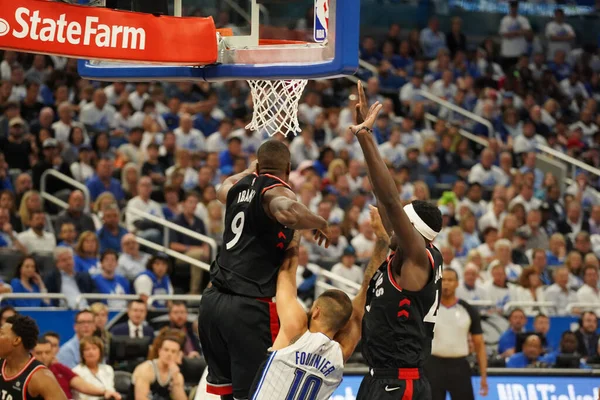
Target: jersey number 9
237	227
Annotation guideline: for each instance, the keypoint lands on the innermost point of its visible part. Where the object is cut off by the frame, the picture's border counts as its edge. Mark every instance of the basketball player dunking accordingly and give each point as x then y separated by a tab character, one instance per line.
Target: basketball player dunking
307	359
21	375
403	296
238	320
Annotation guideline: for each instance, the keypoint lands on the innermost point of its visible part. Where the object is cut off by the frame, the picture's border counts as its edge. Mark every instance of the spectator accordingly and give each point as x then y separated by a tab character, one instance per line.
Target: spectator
526	198
187	245
493	218
574	221
557	251
8	237
539	264
153	168
51	160
541	327
490	237
63	279
347	269
469	288
111	233
531	356
108	282
135	327
103	181
497	289
587	335
364	242
98	115
35	239
142	202
456	39
155	280
508	340
178	319
16	149
531	290
589	292
100	311
83	170
69	354
529	140
28	280
62	127
187	137
513	29
485	173
132	262
217	141
92	369
86	253
568	347
130	177
76	214
431	39
559	292
5	313
228	157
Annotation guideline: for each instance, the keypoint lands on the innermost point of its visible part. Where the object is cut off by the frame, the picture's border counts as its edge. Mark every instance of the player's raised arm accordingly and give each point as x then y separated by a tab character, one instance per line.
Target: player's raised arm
349	336
283	206
232	180
412	243
293	319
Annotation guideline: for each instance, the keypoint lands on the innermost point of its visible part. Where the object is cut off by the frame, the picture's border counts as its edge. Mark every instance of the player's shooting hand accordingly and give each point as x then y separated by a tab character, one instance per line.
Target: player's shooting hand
322	237
377	225
362	107
483	387
369	121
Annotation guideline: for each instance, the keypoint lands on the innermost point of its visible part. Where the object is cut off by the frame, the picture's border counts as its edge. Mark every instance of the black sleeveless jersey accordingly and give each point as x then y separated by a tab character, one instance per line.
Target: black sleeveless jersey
398	325
15	387
158	390
253	243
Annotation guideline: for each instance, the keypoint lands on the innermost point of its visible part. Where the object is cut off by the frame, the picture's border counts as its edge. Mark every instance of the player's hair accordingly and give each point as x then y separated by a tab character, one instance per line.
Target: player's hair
25	328
429	213
336	308
273	156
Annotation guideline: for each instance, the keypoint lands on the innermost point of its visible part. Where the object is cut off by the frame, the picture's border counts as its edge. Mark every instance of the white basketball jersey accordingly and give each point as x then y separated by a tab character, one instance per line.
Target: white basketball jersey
309	369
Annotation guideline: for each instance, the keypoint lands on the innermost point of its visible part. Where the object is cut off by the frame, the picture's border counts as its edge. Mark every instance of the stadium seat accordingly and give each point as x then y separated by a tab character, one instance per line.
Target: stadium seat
122	383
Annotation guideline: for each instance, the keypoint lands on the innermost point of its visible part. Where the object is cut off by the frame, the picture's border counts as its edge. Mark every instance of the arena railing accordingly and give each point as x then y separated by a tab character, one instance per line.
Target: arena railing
103	296
518	304
60	176
31	296
582	306
181	297
324	275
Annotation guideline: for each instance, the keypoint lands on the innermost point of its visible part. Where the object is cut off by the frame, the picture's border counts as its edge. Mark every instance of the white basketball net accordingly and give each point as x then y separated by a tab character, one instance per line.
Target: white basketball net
276	106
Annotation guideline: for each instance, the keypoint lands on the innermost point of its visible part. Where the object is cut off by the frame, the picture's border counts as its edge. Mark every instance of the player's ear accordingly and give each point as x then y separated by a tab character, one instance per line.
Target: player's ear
316	312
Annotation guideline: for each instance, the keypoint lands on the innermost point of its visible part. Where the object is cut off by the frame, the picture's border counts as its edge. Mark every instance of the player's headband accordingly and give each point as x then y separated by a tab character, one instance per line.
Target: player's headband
419	224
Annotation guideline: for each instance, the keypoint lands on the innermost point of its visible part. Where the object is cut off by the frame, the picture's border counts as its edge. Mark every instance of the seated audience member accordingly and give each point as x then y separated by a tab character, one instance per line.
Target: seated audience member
559	292
508	340
306	275
364	242
503	256
69	352
470	289
63	279
68	380
67	235
132	262
587	335
86	253
347	268
28	280
568	347
159	378
92	369
497	289
100	311
36	240
135	327
111	233
108	282
54	339
595	359
589	292
541	327
531	356
5	313
103	201
557	251
187	245
337	244
531	290
178	319
142	202
8	236
155	279
75	214
103	181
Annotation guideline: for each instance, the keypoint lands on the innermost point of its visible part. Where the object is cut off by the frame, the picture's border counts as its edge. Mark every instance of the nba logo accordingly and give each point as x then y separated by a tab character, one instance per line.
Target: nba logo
321	20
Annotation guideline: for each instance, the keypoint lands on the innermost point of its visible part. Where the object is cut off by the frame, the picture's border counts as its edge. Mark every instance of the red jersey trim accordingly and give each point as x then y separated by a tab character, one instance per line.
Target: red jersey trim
219	390
431	259
6	378
279	179
390	274
408	392
29	378
270	187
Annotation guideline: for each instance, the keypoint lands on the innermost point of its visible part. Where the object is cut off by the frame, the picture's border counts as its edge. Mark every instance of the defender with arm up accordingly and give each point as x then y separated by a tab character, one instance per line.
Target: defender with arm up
238	319
308	356
404	295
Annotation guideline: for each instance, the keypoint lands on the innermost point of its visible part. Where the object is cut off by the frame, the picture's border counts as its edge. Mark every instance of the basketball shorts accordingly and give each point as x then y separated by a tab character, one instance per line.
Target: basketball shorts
389	384
235	334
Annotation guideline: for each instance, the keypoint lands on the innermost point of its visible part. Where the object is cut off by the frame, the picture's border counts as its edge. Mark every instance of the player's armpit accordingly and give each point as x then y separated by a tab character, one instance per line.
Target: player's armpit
43	384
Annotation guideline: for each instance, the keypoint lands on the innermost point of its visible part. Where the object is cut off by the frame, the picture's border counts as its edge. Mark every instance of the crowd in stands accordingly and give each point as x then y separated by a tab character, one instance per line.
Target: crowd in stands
511	231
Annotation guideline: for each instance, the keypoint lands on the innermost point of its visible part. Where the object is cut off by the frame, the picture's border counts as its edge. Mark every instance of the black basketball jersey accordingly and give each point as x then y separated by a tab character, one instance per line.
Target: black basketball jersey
15	387
398	324
253	243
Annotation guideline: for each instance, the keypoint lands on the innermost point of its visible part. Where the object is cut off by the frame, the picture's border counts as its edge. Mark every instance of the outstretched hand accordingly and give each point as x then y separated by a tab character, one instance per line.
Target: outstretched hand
365	116
362	107
377	224
322	236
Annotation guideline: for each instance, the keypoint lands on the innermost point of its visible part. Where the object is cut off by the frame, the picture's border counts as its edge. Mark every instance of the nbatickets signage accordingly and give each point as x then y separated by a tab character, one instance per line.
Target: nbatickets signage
98	33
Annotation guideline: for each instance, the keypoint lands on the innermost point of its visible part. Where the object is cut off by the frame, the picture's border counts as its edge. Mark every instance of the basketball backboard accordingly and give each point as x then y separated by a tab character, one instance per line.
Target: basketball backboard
267	43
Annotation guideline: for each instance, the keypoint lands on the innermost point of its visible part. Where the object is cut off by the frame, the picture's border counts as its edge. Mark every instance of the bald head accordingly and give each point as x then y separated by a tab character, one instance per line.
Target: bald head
334	309
273	157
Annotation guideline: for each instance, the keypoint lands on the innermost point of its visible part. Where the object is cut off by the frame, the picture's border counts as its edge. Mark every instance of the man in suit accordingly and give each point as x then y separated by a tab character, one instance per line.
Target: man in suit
134	327
63	279
587	337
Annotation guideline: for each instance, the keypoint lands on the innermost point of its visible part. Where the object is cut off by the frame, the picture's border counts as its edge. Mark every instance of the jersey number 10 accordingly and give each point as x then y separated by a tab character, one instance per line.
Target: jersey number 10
304	387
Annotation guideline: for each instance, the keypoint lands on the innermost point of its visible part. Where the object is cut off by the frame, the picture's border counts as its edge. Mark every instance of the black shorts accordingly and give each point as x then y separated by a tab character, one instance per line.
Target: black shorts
235	334
449	375
385	385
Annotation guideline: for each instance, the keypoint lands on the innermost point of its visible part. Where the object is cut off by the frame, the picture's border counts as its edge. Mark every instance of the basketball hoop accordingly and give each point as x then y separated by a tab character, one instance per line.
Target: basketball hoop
276	105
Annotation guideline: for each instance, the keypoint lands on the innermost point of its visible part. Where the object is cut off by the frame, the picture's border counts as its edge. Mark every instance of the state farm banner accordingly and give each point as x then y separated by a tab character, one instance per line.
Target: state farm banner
98	33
